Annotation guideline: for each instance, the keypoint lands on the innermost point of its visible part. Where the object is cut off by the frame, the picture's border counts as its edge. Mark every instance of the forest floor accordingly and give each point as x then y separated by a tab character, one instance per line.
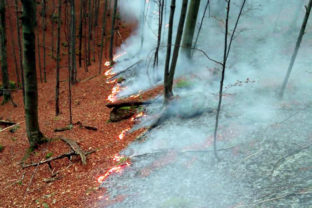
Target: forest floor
75	185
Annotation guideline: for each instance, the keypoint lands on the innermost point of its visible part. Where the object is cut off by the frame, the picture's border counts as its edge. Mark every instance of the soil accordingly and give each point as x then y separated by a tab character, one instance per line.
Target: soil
73	184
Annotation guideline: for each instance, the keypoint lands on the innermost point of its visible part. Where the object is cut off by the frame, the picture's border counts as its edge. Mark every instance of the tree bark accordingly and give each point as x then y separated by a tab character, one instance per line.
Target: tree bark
89	33
103	35
57	86
18	81
191	21
298	43
177	44
4	63
111	47
168	55
80	32
34	134
44	28
73	43
161	11
19	43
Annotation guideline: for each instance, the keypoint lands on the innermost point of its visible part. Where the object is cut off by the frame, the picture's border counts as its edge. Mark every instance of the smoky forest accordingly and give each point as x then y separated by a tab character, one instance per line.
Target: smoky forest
156	103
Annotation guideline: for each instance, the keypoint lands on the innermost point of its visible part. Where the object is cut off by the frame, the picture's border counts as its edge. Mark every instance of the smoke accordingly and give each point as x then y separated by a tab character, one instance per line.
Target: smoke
174	166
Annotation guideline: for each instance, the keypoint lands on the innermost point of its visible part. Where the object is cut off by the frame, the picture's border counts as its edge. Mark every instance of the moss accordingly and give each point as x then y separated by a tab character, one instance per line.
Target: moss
120	80
183	84
48	155
12	85
1	147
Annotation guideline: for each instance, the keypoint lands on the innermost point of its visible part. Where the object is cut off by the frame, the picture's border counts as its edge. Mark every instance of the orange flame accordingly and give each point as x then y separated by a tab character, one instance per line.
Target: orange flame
140	115
119	55
115	169
123	133
112	97
109	72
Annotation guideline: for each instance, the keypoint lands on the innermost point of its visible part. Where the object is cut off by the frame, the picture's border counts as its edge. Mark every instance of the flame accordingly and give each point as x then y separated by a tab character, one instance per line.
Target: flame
107	63
123	133
119	55
110	72
113	96
116	169
140	115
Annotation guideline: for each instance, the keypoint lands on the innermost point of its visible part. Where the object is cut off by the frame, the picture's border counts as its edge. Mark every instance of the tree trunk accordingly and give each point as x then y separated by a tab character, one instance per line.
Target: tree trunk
89	33
175	54
34	135
4	63
73	43
167	64
102	36
39	56
298	43
190	27
57	86
44	28
161	11
19	43
111	47
18	81
80	32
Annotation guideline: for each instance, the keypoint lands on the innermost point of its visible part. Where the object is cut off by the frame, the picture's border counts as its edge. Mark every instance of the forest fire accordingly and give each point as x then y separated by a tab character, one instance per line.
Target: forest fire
113	96
109	72
123	133
116	169
140	115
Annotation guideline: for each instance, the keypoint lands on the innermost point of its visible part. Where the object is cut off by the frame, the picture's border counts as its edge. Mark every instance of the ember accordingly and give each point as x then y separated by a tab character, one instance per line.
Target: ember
113	96
123	133
140	115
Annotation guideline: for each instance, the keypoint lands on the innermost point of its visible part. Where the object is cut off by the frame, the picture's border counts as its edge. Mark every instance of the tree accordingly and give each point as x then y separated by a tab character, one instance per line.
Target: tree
35	137
190	27
102	35
44	26
4	63
73	42
160	23
111	47
58	43
168	55
298	43
175	55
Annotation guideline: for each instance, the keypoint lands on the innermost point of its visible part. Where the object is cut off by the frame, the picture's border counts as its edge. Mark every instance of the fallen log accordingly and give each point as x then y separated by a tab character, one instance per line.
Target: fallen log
68	155
86	127
66	128
6	123
74	146
127	103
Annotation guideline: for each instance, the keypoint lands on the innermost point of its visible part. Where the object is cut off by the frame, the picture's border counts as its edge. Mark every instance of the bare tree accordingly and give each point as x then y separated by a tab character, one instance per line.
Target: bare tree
298	43
175	55
57	86
103	35
190	27
168	55
160	23
111	47
34	134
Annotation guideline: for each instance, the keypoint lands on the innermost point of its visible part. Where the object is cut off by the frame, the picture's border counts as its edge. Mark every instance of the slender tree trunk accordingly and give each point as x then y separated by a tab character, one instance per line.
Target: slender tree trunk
298	43
18	81
58	57
167	64
190	27
201	23
143	25
52	29
19	43
73	43
103	35
86	53
80	32
4	63
89	33
39	56
111	47
44	28
34	134
177	44
70	68
161	11
222	79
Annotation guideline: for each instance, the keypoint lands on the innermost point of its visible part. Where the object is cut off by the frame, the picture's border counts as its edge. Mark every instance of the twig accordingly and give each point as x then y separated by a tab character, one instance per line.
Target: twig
31	179
11	126
72	153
